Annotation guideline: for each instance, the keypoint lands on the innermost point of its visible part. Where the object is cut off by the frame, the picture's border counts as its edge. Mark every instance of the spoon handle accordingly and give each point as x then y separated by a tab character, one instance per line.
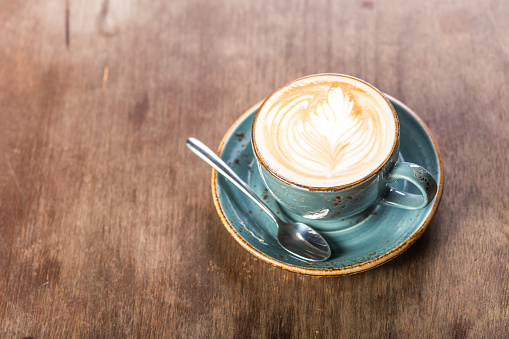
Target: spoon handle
213	160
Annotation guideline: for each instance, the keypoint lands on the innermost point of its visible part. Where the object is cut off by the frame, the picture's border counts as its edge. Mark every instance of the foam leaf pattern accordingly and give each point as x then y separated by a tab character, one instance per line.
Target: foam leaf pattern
327	132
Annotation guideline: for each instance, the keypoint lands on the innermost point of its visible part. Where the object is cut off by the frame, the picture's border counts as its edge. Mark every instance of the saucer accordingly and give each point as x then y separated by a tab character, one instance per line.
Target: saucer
384	234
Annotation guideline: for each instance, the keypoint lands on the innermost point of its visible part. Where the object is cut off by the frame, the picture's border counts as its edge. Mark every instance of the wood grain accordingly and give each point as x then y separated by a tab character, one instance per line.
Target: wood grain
107	226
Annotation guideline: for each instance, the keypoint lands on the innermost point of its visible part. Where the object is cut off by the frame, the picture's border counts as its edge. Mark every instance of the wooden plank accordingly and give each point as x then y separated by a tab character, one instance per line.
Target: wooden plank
107	226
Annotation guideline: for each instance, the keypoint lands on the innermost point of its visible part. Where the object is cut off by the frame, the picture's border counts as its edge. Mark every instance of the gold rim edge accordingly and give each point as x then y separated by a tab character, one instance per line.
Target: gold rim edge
333	271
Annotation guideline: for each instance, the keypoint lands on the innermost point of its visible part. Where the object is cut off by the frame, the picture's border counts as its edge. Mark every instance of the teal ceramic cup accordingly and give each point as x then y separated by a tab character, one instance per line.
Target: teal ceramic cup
345	205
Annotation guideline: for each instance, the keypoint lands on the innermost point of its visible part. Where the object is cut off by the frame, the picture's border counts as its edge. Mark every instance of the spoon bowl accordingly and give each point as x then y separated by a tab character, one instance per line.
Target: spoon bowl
303	241
297	238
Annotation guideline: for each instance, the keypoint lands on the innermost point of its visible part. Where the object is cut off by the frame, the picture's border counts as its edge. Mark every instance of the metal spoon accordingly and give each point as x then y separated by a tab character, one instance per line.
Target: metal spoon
297	238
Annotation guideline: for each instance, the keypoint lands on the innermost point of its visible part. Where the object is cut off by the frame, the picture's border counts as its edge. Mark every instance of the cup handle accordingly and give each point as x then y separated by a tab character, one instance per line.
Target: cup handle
418	176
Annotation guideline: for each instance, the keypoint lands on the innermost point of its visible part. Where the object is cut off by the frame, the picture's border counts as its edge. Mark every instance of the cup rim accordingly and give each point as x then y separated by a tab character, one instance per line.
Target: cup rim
266	166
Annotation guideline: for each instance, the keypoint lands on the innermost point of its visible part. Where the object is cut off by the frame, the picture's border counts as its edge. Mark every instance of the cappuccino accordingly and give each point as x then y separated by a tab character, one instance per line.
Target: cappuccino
325	131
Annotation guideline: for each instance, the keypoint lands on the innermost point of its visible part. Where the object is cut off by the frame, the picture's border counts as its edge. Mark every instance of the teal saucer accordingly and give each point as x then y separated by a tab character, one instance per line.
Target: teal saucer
384	234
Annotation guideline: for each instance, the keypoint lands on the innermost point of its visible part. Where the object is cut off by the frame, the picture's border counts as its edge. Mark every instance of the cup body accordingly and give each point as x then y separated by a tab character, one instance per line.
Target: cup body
328	208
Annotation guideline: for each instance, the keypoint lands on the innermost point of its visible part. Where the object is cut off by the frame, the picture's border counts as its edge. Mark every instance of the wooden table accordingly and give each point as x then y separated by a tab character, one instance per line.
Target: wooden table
107	225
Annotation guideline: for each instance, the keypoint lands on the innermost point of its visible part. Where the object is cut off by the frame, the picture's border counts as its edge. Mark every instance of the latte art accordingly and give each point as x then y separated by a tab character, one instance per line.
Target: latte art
325	132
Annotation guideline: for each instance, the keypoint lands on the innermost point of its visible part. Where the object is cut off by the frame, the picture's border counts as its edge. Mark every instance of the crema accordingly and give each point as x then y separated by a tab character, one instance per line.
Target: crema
325	131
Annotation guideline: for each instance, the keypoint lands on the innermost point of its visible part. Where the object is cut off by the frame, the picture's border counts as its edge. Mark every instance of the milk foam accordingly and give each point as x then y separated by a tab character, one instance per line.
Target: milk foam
325	131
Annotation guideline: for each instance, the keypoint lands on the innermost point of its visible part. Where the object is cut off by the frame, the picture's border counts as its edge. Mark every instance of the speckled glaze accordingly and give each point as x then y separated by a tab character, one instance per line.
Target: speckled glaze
339	209
379	235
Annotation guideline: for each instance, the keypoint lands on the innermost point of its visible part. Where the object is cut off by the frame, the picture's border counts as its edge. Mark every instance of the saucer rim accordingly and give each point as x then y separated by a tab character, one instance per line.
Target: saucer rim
332	271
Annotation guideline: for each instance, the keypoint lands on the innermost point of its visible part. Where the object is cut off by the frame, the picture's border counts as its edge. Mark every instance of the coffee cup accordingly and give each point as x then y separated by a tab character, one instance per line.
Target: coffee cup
326	147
